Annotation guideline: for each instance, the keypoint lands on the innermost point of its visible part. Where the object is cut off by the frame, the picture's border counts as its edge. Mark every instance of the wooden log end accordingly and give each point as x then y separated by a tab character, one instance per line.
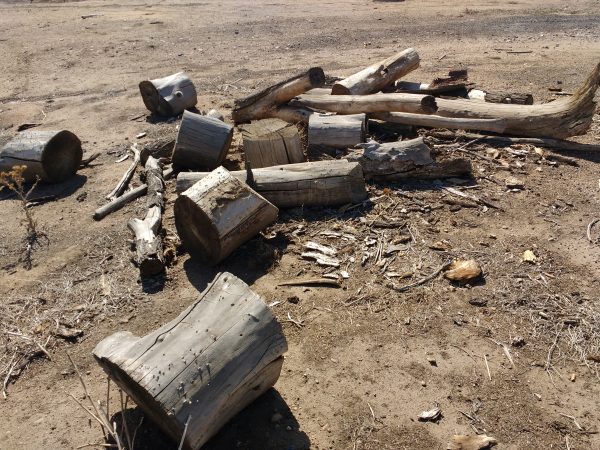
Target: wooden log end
150	95
339	89
316	76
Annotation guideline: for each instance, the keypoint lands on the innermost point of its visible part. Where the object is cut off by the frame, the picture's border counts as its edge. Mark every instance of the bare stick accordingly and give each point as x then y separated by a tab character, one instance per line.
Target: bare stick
487	367
122	185
8	374
421	281
184	432
573	419
589	229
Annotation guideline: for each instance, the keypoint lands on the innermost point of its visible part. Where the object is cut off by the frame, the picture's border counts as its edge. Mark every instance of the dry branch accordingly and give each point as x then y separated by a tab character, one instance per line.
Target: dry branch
124	181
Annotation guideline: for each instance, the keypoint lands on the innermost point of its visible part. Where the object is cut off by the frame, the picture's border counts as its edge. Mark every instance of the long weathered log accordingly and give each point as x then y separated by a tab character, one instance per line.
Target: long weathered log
265	103
424	120
319	183
169	96
376	77
558	119
356	104
193	374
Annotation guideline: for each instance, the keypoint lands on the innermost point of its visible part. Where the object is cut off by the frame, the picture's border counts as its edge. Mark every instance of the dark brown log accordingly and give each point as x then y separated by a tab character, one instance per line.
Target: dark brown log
169	96
336	131
199	370
513	98
271	142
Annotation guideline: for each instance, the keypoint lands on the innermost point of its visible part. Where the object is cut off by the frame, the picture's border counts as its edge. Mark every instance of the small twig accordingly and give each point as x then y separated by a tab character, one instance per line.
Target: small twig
87	161
299	324
11	366
421	281
124	181
487	367
589	229
573	419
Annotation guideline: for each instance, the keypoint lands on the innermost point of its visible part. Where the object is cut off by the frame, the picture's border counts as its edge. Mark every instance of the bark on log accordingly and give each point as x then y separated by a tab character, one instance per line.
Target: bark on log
405	159
558	119
320	183
218	214
271	142
512	98
199	370
376	77
148	243
202	142
423	120
53	156
265	104
336	131
169	96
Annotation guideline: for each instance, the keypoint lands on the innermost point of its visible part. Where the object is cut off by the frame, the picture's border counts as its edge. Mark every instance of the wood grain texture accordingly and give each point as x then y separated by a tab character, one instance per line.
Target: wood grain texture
336	131
434	121
169	96
271	142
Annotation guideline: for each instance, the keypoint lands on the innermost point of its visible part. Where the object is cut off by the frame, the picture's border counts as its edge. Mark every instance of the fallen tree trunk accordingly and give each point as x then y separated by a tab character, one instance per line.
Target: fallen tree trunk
511	98
148	243
336	131
218	214
558	119
423	120
265	103
271	142
193	374
319	183
169	96
376	77
51	156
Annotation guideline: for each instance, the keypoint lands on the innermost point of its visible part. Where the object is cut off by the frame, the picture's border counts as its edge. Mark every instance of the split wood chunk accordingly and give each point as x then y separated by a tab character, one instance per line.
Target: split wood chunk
423	120
336	131
376	77
514	98
202	142
266	103
53	156
199	370
319	183
466	442
218	214
463	271
169	96
271	142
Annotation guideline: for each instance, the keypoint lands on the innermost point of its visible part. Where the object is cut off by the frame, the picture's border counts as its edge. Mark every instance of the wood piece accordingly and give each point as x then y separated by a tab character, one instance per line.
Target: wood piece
271	142
319	183
336	131
513	98
558	119
218	214
357	104
376	77
446	168
148	243
265	103
53	156
169	96
126	178
203	367
423	120
312	282
202	142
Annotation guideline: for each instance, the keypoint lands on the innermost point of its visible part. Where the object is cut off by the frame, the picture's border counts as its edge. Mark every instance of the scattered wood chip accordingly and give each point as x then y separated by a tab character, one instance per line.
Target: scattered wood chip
432	415
466	442
529	257
463	271
326	250
514	183
321	259
67	333
140	135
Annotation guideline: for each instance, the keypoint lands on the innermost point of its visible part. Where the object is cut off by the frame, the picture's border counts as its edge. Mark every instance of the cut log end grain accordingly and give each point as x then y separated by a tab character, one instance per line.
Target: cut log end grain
169	96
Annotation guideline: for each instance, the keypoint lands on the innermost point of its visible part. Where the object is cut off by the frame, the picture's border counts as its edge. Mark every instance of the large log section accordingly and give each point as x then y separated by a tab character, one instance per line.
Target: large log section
169	96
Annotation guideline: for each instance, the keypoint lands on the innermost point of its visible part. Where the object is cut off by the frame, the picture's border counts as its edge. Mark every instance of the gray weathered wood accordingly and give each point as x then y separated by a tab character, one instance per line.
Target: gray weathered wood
169	96
424	120
271	142
203	367
514	98
336	131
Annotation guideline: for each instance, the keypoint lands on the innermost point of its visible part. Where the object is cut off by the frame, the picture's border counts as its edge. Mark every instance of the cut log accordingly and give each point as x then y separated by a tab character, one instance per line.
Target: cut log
320	183
53	156
271	142
218	214
405	159
424	120
202	142
336	131
513	98
199	370
558	119
376	77
148	243
265	103
169	96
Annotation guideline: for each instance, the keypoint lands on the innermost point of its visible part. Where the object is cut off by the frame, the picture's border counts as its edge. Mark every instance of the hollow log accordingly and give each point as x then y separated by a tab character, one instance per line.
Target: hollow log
202	142
218	214
199	370
558	119
271	142
53	156
433	121
148	243
265	104
376	77
319	183
512	98
169	96
336	131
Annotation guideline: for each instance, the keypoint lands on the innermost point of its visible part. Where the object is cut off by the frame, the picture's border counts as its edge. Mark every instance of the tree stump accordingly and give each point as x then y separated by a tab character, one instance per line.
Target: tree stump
53	156
336	131
218	214
271	142
202	142
169	96
205	366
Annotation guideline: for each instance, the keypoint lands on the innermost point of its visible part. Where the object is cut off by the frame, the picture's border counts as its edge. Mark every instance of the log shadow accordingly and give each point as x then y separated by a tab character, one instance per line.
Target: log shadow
266	424
154	118
54	191
321	213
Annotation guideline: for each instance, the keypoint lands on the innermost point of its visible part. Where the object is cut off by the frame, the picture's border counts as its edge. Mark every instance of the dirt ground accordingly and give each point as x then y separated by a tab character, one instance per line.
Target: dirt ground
358	371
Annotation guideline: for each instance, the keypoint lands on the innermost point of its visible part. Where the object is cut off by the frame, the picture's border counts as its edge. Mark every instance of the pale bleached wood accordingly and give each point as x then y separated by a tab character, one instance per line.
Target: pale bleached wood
434	121
512	98
319	183
336	131
169	96
126	178
357	104
202	142
271	142
218	214
379	75
203	367
52	156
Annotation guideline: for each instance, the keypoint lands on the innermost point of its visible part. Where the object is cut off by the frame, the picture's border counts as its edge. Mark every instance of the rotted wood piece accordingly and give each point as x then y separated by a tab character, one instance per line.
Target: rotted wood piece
169	96
51	156
202	368
336	131
271	142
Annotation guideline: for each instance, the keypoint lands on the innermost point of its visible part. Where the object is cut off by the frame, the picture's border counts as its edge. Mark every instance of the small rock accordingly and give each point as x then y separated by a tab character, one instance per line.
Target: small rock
514	183
518	341
478	302
432	361
294	299
538	396
463	271
431	416
573	377
140	135
529	257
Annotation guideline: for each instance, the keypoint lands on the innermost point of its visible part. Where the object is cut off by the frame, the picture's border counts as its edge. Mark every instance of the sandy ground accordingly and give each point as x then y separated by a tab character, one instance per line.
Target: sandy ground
357	373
